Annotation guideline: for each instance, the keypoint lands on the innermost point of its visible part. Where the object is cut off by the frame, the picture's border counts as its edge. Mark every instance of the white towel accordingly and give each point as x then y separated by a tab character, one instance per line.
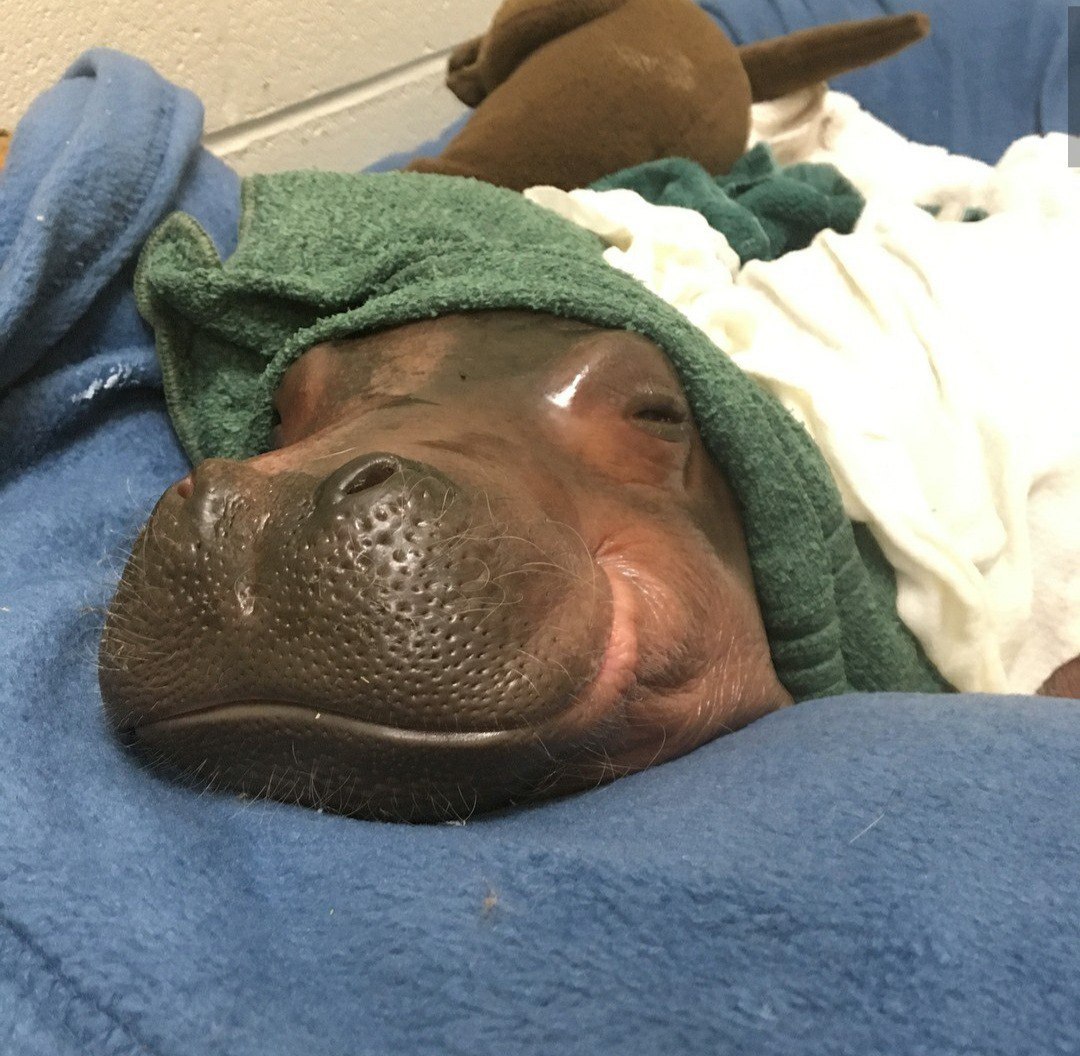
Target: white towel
934	363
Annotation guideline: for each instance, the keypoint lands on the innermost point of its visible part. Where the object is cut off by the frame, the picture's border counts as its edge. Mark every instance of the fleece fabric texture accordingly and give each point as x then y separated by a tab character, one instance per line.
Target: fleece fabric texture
94	165
764	210
327	255
868	874
81	243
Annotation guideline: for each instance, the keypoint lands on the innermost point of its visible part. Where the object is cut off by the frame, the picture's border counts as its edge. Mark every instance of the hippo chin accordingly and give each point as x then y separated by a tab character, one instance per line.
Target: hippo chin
489	560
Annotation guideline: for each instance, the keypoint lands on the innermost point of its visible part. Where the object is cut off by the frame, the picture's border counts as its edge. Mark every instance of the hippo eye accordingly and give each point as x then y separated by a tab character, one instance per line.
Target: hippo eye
666	414
662	416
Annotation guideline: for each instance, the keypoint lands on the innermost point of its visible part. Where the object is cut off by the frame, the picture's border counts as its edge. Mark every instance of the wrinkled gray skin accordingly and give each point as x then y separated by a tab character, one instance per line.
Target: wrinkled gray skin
488	560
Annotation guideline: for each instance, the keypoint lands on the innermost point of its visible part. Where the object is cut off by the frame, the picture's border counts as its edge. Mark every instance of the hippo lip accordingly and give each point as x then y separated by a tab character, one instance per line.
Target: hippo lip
274	709
321	757
613	677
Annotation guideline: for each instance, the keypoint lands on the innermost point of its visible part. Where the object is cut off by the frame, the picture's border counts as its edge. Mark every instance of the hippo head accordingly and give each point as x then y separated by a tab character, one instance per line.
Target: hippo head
489	559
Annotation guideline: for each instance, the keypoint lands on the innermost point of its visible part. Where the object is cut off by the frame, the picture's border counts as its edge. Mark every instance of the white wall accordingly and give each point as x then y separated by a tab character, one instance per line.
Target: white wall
286	83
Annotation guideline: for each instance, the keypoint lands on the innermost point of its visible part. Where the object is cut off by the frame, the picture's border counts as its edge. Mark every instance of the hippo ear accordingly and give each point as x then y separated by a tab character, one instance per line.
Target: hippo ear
785	64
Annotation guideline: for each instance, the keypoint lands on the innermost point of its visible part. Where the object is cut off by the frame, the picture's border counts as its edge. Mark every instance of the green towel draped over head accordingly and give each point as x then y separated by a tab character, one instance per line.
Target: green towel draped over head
323	256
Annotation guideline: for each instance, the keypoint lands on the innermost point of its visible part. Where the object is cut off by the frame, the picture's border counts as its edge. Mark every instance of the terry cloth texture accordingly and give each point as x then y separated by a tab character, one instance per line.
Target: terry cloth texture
763	210
325	255
896	347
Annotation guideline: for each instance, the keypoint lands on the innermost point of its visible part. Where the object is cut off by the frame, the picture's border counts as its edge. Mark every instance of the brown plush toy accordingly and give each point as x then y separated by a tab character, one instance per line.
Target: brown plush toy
553	80
5	138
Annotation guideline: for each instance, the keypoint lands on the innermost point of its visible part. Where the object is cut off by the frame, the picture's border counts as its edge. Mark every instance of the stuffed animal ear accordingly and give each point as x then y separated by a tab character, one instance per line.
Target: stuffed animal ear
477	67
463	74
785	64
5	139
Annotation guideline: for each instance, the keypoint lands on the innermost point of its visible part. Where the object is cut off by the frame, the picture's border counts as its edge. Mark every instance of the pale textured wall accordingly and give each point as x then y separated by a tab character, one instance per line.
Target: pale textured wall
286	83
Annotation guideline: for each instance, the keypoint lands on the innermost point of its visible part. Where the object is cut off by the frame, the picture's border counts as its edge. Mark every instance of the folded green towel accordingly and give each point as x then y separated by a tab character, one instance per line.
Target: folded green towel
763	209
326	255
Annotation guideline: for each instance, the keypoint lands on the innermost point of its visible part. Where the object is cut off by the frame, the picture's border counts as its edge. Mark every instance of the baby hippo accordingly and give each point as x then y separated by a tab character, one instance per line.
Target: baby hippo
489	559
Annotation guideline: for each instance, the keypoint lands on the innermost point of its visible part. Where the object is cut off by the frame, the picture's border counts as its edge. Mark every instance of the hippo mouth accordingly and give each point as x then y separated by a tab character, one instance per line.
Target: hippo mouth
612	680
286	712
328	759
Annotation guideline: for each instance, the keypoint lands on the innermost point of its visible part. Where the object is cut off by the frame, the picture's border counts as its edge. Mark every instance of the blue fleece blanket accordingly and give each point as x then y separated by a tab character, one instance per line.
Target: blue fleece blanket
863	875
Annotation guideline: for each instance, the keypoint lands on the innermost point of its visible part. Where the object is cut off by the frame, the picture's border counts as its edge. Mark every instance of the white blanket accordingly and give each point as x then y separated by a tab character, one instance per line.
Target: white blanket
935	364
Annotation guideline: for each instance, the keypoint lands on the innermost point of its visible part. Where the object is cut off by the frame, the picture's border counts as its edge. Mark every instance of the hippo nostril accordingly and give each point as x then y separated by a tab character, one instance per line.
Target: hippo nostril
369	480
360	475
373	472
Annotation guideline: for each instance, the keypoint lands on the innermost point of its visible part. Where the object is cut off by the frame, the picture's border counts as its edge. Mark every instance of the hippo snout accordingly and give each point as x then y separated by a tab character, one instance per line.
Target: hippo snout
485	559
384	640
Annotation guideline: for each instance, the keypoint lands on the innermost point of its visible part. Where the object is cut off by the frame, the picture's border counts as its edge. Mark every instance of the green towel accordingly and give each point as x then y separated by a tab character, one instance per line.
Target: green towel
325	255
764	210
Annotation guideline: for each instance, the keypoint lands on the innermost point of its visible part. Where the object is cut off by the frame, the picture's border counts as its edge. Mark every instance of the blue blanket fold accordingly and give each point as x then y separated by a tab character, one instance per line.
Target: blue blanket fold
70	246
865	875
95	164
